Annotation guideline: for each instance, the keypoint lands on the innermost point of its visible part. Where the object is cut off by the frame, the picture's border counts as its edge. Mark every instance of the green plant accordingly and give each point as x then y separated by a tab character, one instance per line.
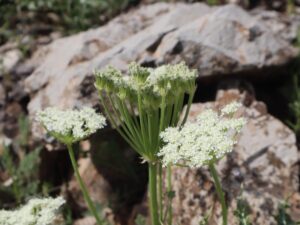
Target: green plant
24	182
70	127
282	217
145	108
203	143
24	130
242	212
290	6
205	220
66	16
294	105
140	220
158	96
20	165
212	2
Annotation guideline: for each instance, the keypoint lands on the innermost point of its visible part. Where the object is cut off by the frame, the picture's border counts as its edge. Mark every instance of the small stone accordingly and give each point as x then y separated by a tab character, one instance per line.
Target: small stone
10	59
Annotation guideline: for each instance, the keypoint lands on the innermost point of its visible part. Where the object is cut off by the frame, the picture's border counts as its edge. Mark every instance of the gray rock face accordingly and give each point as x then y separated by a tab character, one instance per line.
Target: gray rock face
217	41
225	41
264	161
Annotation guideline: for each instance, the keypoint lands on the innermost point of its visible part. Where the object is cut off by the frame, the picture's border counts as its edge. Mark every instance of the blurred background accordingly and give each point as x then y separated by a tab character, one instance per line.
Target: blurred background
243	49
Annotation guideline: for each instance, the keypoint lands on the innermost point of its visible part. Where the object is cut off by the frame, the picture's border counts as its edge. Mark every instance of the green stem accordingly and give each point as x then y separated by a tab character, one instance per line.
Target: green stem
115	125
190	101
160	191
16	187
129	122
82	185
153	193
220	192
169	190
162	113
142	124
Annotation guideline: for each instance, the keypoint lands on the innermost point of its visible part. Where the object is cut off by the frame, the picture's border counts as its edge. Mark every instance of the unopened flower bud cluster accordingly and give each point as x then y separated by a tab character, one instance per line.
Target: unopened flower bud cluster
37	212
167	81
71	125
203	142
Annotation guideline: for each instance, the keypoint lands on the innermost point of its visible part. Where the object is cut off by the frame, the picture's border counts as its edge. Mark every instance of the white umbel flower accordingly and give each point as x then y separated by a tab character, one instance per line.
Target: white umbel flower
205	141
231	108
71	125
36	211
167	81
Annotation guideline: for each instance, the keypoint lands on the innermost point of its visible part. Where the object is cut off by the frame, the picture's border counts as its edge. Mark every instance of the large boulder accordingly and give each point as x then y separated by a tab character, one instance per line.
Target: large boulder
263	164
223	40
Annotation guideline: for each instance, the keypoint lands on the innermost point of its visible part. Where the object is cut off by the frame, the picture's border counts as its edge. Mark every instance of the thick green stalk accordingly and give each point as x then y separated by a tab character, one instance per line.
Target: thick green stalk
190	101
162	113
220	192
160	191
169	190
82	186
142	126
153	193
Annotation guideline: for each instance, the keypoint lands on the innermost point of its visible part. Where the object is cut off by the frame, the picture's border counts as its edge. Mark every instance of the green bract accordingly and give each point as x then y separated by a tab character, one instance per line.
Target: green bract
157	95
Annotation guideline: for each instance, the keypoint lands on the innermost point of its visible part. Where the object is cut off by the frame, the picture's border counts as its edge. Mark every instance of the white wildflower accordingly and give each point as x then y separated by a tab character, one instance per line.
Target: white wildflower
231	108
71	125
36	211
200	143
167	81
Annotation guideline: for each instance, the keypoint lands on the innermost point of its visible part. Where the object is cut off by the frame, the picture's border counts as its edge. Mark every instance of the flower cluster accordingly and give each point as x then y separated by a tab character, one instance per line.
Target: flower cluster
70	126
203	142
165	82
37	212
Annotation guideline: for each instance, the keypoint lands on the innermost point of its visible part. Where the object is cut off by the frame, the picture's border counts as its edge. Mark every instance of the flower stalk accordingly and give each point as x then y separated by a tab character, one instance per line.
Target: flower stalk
83	188
71	126
153	194
203	142
219	191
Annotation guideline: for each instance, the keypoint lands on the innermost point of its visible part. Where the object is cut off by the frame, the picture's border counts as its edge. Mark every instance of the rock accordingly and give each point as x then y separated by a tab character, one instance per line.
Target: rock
97	186
86	221
9	60
264	163
11	116
210	39
287	26
90	220
219	43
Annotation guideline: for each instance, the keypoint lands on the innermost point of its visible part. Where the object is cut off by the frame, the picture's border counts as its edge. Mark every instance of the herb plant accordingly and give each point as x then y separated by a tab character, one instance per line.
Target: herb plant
145	107
204	142
69	127
157	97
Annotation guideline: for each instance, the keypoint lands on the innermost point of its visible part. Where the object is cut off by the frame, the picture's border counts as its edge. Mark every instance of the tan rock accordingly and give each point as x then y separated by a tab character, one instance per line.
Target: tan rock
97	186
